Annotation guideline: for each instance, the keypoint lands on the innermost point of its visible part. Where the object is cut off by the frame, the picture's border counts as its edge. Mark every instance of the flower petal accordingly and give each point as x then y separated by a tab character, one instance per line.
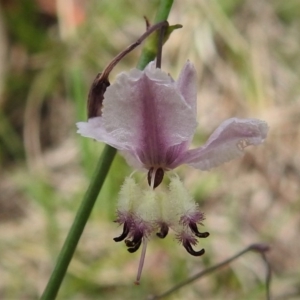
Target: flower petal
226	143
187	85
94	129
143	110
132	159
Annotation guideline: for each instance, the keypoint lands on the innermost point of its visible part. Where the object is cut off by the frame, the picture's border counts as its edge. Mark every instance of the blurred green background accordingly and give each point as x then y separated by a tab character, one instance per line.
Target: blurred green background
247	54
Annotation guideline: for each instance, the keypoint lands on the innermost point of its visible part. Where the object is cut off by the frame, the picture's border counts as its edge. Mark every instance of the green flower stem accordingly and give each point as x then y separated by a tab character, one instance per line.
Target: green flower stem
149	50
84	211
77	228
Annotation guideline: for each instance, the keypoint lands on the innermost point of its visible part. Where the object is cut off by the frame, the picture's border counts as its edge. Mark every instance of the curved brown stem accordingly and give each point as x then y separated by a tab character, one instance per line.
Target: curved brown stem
101	82
259	248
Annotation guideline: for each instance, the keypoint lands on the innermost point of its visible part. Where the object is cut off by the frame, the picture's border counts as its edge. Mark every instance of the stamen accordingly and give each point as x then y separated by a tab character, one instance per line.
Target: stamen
195	230
141	264
187	245
135	247
124	234
155	177
137	237
164	229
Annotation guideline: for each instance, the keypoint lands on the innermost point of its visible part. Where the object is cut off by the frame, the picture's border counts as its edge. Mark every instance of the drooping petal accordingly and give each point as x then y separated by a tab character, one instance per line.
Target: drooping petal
226	143
94	129
144	110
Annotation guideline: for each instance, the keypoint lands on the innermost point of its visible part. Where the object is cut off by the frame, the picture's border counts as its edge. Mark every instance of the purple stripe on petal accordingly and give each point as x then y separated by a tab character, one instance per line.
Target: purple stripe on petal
167	120
175	151
145	111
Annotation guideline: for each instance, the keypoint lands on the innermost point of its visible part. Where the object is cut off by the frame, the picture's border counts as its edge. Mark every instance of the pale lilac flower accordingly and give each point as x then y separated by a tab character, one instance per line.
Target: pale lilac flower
151	119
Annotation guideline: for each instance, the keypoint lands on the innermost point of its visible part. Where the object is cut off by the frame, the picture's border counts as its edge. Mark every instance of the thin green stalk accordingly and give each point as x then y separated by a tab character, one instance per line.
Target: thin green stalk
149	50
84	211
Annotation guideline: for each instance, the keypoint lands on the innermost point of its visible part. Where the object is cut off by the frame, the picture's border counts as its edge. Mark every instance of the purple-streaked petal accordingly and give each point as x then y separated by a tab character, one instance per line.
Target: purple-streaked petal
226	143
187	85
175	151
143	110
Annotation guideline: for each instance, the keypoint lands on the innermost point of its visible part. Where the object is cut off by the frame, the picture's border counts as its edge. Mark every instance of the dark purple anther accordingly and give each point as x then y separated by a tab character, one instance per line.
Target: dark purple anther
124	234
187	245
135	247
164	229
136	239
194	228
158	176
